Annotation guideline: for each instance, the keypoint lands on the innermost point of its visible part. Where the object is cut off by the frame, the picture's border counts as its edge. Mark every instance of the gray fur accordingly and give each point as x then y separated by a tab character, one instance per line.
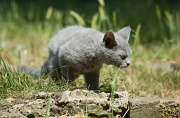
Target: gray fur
34	72
77	50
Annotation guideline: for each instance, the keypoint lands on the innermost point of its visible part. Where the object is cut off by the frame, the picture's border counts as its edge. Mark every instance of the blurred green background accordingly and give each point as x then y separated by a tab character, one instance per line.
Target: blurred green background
157	17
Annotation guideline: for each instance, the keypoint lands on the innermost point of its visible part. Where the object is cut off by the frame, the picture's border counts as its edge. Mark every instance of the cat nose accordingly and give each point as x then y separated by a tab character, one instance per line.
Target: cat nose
128	61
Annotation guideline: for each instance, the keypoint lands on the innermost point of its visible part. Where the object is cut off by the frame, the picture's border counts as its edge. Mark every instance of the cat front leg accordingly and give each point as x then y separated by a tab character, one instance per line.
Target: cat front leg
51	66
67	73
92	80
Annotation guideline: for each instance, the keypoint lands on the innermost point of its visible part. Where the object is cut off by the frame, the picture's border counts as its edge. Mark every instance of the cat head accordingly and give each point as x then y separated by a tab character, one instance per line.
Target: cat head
115	49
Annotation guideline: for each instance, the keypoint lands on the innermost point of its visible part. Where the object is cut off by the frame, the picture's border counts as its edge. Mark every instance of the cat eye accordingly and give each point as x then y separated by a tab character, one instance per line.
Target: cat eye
123	57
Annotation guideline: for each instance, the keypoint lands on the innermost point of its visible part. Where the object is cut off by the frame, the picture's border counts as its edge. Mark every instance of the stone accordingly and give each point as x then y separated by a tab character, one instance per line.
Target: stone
11	115
82	103
147	107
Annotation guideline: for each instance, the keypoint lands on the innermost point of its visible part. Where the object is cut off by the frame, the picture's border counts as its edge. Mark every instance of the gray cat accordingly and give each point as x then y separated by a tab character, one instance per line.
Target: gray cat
78	50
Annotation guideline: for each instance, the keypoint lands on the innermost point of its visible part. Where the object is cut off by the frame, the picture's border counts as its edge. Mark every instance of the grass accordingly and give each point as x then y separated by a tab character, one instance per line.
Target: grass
24	42
47	114
16	84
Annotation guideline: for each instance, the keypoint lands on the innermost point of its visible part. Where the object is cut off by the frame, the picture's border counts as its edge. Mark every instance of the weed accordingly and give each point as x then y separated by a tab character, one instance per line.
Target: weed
169	25
47	114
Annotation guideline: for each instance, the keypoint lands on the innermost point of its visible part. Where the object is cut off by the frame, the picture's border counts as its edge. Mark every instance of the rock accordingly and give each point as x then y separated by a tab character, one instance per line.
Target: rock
88	101
11	115
168	67
144	107
82	103
43	95
175	66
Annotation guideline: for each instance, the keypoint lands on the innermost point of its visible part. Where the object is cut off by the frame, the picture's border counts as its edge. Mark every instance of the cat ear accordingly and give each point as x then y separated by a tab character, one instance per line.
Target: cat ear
125	33
109	40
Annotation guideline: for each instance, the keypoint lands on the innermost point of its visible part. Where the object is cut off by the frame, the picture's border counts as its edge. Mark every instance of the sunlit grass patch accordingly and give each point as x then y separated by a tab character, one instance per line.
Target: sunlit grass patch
15	84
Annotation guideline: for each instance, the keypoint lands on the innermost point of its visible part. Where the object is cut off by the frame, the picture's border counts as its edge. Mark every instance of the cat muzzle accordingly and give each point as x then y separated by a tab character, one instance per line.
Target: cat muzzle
124	65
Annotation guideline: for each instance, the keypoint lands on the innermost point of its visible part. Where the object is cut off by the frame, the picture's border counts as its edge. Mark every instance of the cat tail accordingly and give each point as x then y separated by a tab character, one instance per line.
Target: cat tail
33	72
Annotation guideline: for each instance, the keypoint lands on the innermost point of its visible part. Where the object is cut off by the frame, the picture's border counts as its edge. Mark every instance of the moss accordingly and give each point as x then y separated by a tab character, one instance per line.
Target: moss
169	108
